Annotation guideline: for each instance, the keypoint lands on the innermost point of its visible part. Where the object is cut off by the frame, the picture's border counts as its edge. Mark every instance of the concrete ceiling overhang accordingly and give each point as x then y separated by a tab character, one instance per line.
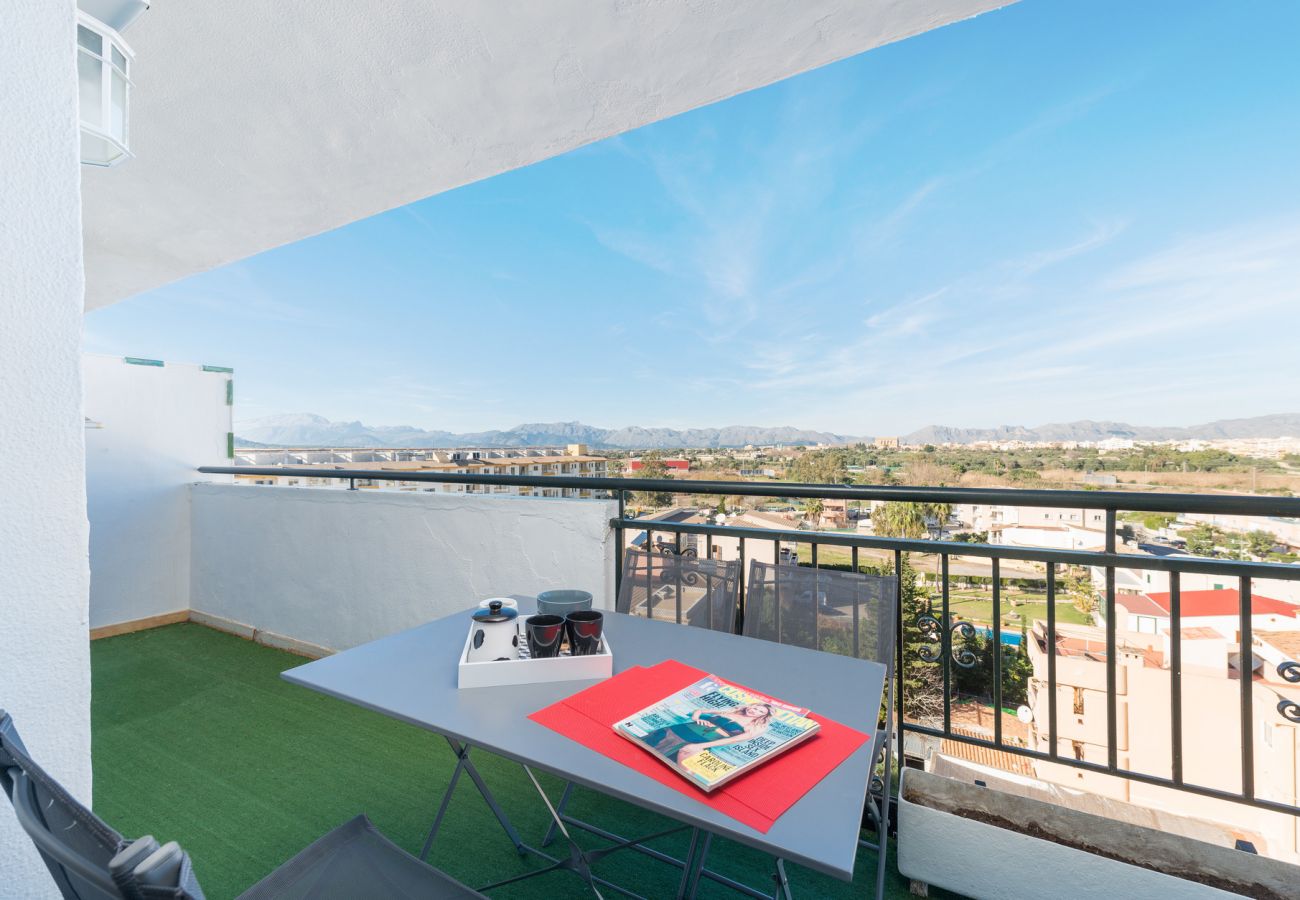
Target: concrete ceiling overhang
255	124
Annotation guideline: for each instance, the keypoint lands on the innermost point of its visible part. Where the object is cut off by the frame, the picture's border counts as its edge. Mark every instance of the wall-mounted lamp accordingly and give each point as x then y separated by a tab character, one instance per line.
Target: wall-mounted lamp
104	78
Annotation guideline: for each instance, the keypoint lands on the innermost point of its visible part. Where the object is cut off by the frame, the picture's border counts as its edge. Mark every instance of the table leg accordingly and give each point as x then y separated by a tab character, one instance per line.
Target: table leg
689	865
463	763
782	883
578	860
442	810
696	855
564	803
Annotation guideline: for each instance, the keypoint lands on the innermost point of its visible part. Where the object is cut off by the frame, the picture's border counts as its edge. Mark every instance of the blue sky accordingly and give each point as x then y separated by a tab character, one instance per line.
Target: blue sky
1055	211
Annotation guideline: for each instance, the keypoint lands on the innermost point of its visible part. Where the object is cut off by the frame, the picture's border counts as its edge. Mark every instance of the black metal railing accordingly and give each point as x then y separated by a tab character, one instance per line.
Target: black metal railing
938	626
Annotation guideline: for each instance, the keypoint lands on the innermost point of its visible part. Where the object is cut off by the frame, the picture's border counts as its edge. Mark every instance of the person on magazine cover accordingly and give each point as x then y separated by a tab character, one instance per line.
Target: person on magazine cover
710	729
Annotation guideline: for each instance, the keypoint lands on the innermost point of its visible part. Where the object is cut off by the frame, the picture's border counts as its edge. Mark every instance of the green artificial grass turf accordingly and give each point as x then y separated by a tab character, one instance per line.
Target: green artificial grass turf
197	739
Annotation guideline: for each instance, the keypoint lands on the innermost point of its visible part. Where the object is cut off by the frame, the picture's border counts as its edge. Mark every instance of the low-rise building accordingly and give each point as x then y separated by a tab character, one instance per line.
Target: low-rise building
1218	609
462	461
673	465
1136	579
1210	749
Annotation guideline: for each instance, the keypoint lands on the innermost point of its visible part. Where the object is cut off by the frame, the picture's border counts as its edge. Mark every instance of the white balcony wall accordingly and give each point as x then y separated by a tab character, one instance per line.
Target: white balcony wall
147	428
335	569
44	651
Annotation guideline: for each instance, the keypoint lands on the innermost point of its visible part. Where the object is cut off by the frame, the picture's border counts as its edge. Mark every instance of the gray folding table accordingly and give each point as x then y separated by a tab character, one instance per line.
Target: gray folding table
411	676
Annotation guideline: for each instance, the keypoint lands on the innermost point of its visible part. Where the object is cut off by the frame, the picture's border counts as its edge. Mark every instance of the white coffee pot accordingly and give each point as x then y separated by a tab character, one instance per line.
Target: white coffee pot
496	633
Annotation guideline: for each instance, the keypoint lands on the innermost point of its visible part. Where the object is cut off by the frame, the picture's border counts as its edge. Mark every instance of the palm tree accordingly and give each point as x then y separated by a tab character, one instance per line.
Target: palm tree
907	520
813	508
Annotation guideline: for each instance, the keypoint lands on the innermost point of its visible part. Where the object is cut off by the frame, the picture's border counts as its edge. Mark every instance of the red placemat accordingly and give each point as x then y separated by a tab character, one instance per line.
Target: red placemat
756	798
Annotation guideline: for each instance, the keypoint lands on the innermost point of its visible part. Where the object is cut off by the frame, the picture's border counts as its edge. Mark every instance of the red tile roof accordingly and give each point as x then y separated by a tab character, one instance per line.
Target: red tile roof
1205	603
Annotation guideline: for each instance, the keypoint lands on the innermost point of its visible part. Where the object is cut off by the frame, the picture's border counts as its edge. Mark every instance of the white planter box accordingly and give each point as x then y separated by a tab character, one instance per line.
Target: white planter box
984	860
494	673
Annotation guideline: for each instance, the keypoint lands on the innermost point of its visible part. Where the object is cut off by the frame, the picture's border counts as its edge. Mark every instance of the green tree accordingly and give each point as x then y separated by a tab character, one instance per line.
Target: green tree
814	508
1076	585
907	520
921	682
1200	540
653	468
977	679
820	467
1261	543
1157	521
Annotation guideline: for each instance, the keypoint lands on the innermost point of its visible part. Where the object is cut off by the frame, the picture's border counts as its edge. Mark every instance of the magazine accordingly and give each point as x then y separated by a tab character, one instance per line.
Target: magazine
713	731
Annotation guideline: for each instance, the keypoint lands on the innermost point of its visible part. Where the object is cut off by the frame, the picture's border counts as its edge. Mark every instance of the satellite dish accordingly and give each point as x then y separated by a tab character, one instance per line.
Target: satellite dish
1025	714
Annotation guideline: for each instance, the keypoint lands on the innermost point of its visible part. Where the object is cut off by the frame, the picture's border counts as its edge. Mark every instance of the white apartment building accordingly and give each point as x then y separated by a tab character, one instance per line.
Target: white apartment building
983	517
1058	528
572	461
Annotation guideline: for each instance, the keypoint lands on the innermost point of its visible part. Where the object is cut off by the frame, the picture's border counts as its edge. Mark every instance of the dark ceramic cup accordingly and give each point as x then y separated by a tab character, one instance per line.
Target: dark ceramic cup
545	635
584	629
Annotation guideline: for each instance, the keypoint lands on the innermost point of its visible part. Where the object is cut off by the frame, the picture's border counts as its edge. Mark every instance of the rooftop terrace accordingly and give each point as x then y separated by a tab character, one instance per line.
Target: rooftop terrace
186	718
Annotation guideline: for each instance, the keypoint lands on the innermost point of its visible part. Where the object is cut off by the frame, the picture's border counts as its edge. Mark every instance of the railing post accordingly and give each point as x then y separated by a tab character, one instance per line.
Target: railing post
1176	677
1051	660
1245	670
1112	704
744	599
997	651
618	556
899	664
857	614
677	572
945	645
649	572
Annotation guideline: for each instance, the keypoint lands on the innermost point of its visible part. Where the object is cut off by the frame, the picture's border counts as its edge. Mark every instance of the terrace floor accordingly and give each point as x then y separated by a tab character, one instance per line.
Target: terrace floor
197	739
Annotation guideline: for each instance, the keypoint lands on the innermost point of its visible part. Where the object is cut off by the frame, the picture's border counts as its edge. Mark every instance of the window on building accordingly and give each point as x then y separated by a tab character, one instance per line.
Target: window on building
1077	747
1078	703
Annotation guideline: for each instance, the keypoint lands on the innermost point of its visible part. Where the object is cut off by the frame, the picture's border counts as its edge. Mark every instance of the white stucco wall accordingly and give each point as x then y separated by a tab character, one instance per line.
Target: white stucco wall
148	428
339	568
44	651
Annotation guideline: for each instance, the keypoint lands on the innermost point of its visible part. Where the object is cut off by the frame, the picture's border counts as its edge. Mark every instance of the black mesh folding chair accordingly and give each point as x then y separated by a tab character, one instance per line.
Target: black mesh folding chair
685	589
848	613
90	861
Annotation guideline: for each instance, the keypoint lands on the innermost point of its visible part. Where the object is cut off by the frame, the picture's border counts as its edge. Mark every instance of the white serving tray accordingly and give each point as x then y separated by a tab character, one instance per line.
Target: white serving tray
493	673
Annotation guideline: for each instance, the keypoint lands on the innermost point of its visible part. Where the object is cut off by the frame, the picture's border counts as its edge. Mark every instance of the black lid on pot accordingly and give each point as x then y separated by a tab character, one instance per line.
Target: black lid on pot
495	612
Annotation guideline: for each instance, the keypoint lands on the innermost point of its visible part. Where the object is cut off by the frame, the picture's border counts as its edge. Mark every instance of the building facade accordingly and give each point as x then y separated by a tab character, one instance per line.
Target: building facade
1210	741
571	461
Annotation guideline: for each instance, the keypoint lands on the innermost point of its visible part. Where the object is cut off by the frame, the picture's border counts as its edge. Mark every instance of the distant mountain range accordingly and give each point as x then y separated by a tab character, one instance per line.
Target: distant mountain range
307	430
1282	425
